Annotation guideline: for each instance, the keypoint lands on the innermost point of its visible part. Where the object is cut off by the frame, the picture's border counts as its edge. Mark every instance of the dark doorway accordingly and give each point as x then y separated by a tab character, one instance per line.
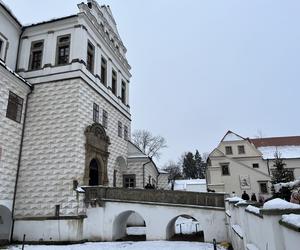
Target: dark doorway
94	173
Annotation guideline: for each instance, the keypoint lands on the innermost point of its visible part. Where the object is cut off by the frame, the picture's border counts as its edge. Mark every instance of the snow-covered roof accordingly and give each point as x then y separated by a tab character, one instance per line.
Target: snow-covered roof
9	11
14	73
280	204
285	152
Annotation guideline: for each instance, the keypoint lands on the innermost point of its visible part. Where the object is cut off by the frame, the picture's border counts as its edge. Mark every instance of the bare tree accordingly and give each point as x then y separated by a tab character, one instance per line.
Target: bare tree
151	145
174	170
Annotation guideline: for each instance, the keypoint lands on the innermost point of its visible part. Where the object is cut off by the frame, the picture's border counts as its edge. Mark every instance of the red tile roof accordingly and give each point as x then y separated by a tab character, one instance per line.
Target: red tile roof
276	141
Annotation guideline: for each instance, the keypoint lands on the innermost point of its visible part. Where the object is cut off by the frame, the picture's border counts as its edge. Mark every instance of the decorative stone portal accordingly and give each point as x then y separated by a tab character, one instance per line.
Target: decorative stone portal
96	157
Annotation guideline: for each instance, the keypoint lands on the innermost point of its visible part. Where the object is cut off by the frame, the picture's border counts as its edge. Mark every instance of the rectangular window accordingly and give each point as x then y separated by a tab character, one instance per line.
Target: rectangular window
123	92
14	107
36	55
241	149
103	71
255	165
114	82
104	118
1	46
120	129
96	112
115	178
126	133
228	150
263	187
129	181
225	169
90	57
63	50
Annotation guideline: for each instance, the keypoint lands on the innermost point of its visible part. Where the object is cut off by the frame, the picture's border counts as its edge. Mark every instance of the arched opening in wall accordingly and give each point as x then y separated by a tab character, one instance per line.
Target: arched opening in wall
5	225
129	226
94	173
184	228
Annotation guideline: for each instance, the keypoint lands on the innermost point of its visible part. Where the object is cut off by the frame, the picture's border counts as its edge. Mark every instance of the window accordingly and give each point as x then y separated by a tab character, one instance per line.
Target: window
96	112
126	133
63	50
90	57
263	187
1	47
241	149
114	82
14	107
129	181
120	129
106	33
228	150
36	55
255	165
103	71
115	178
225	169
104	118
123	92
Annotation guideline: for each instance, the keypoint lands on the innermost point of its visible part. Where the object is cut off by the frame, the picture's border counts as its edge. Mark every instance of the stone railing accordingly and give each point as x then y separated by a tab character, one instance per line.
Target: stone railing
101	194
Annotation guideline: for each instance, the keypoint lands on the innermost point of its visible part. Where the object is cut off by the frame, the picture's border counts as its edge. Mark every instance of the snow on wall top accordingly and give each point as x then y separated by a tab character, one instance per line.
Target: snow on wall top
284	151
5	6
280	204
293	219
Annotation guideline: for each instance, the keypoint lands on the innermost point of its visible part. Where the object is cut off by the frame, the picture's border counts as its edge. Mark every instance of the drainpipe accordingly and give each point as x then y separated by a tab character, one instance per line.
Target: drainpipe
18	51
144	172
19	164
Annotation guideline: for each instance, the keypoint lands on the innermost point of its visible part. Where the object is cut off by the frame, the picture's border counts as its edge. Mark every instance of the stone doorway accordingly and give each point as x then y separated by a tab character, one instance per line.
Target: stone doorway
96	158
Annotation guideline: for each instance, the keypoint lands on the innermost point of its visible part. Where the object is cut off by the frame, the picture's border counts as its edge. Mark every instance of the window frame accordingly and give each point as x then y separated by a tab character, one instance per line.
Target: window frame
241	150
114	81
16	103
34	50
96	111
90	57
104	118
63	44
120	128
255	164
103	72
227	152
123	92
222	169
126	133
130	176
260	183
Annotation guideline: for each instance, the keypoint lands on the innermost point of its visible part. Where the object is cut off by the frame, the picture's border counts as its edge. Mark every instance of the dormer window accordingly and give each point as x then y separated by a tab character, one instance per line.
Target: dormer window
117	47
102	26
63	50
36	55
106	33
241	149
113	41
90	57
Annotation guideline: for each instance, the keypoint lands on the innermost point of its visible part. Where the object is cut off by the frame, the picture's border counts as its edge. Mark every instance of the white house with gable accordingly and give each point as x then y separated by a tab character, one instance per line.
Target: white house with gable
239	163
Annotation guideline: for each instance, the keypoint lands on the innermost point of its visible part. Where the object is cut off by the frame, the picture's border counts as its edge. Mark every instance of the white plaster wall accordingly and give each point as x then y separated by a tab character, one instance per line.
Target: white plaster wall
10	136
49	230
157	219
9	32
163	182
291	238
135	166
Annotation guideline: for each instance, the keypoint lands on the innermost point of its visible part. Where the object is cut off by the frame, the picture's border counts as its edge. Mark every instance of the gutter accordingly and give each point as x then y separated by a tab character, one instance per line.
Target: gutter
19	164
144	172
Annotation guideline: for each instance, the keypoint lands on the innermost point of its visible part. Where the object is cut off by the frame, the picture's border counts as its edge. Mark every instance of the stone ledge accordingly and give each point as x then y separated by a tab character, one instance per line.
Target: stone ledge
279	211
258	215
78	217
289	226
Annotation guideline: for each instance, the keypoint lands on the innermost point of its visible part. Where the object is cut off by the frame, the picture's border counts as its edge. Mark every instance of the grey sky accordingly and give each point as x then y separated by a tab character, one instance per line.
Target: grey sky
203	67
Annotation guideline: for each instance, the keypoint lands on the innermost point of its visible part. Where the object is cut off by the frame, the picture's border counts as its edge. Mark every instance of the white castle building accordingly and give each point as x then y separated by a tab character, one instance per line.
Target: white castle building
64	117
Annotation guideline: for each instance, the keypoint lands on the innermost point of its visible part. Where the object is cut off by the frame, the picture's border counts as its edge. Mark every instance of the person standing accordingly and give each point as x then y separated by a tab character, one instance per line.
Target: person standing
245	196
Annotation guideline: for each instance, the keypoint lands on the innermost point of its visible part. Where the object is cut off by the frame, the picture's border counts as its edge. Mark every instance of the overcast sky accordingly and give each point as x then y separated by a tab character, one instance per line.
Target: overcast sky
201	68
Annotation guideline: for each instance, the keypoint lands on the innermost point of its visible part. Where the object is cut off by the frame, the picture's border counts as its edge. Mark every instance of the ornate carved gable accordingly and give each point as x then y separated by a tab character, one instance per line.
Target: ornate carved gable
96	137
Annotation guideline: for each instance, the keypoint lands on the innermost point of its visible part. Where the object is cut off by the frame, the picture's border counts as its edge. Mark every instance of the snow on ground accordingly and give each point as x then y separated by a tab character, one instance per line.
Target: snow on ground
280	204
293	219
253	209
142	245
